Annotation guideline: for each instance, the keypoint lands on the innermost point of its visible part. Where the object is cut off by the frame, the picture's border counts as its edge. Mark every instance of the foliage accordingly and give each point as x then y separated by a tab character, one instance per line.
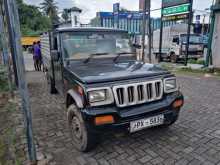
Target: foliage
3	79
122	9
193	61
95	22
32	21
51	10
65	15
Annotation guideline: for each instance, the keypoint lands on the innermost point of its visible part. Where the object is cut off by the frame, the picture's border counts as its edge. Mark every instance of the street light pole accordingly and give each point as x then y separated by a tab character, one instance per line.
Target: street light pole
15	39
143	32
149	32
188	31
161	37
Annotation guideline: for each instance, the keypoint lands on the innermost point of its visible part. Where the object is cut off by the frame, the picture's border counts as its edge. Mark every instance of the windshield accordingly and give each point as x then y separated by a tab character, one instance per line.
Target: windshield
195	39
81	46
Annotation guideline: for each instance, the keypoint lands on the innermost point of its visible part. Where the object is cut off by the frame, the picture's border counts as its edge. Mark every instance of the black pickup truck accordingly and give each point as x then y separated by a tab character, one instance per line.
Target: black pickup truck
104	86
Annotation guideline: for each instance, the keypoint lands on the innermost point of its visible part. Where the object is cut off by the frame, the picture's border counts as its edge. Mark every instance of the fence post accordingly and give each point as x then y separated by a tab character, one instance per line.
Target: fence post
14	29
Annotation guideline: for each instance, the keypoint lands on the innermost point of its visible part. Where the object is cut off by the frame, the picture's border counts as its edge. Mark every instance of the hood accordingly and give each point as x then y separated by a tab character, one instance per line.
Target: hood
95	72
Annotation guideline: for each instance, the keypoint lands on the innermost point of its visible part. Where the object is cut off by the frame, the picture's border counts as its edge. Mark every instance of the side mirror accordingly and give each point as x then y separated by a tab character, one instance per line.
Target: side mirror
55	55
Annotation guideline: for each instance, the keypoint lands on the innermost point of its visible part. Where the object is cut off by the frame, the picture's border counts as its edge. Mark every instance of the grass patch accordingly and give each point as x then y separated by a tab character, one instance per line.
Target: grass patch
199	61
177	69
4	87
9	154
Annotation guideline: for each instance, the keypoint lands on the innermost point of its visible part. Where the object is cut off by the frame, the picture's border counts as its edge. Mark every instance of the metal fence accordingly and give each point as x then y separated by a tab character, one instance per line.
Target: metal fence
11	50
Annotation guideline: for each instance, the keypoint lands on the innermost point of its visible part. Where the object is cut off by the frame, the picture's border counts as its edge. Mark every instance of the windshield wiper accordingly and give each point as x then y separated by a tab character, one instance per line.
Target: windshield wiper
122	53
92	55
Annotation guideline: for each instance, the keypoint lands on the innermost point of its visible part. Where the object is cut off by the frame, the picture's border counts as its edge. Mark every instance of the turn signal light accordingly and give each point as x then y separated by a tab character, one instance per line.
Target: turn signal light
178	103
104	120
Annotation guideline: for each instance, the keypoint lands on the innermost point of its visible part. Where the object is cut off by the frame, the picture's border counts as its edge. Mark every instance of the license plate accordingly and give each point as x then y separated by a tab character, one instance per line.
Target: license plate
145	123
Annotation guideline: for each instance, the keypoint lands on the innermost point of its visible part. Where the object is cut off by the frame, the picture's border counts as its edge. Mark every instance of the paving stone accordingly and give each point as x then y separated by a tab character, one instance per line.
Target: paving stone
145	159
194	139
188	150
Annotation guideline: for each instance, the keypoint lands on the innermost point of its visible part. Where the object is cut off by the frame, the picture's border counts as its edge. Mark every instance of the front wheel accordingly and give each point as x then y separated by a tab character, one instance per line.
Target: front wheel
173	58
83	138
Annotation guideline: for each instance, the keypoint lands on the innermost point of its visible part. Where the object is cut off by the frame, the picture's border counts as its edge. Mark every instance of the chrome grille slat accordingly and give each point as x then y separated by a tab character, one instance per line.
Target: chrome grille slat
138	93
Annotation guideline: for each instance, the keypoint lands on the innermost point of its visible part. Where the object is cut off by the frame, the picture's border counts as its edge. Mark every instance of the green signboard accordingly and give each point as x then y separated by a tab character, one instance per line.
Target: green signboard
169	3
176	10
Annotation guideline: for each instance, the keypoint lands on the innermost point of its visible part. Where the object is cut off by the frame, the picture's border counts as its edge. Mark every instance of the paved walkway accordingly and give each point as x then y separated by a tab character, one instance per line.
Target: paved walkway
29	62
194	139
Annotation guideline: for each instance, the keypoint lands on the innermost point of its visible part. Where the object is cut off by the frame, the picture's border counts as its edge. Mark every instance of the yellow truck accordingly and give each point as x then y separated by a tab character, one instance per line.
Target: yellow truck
27	42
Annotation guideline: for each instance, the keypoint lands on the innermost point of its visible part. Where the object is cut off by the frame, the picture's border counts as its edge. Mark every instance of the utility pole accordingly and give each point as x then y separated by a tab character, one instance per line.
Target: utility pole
203	24
161	37
149	32
143	31
188	31
15	39
5	54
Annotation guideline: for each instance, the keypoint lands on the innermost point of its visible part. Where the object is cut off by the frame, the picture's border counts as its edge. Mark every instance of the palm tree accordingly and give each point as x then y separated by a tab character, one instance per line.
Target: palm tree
50	9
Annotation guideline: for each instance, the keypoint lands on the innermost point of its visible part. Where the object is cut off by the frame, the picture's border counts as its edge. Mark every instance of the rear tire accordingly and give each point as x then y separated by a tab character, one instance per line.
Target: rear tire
83	137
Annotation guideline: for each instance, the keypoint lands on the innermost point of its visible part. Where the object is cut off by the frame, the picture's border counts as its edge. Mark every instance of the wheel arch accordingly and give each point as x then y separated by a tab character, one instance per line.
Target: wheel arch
73	98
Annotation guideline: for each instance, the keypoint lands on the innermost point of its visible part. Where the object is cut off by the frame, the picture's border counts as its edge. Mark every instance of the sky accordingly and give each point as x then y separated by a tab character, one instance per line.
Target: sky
90	7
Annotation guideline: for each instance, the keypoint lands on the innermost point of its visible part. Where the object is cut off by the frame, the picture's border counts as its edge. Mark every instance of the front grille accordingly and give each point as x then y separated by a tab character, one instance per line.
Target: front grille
138	93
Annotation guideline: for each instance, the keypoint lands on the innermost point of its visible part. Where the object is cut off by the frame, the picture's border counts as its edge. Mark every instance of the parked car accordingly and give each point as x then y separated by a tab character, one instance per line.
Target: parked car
104	86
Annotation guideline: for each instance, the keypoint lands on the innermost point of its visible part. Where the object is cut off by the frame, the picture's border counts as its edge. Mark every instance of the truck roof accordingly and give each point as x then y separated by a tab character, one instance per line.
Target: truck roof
90	29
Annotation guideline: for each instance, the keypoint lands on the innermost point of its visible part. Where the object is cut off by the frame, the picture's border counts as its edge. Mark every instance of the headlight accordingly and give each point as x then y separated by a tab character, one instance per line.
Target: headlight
96	96
170	85
100	96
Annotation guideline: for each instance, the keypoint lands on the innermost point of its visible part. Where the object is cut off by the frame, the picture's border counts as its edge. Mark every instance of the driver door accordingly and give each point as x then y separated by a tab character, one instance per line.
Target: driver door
58	65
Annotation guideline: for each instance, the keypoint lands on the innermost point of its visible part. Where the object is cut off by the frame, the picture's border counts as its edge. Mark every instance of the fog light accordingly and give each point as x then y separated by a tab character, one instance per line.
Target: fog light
178	103
104	120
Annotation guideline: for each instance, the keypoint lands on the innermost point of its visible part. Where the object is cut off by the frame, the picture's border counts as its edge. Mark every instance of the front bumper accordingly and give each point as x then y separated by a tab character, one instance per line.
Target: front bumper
123	116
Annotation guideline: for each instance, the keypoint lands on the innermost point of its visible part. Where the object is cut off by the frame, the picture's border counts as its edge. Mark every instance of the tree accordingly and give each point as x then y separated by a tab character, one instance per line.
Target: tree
65	15
50	9
123	9
95	22
32	21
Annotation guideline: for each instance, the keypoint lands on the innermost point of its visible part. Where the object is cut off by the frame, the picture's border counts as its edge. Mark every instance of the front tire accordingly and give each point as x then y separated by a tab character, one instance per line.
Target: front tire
173	57
83	137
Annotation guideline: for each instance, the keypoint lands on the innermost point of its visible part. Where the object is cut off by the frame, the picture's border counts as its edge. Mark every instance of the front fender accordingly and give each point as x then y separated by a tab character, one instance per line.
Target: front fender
74	98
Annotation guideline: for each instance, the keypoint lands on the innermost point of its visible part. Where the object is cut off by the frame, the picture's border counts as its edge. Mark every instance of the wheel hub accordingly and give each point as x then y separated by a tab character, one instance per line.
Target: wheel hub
76	128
